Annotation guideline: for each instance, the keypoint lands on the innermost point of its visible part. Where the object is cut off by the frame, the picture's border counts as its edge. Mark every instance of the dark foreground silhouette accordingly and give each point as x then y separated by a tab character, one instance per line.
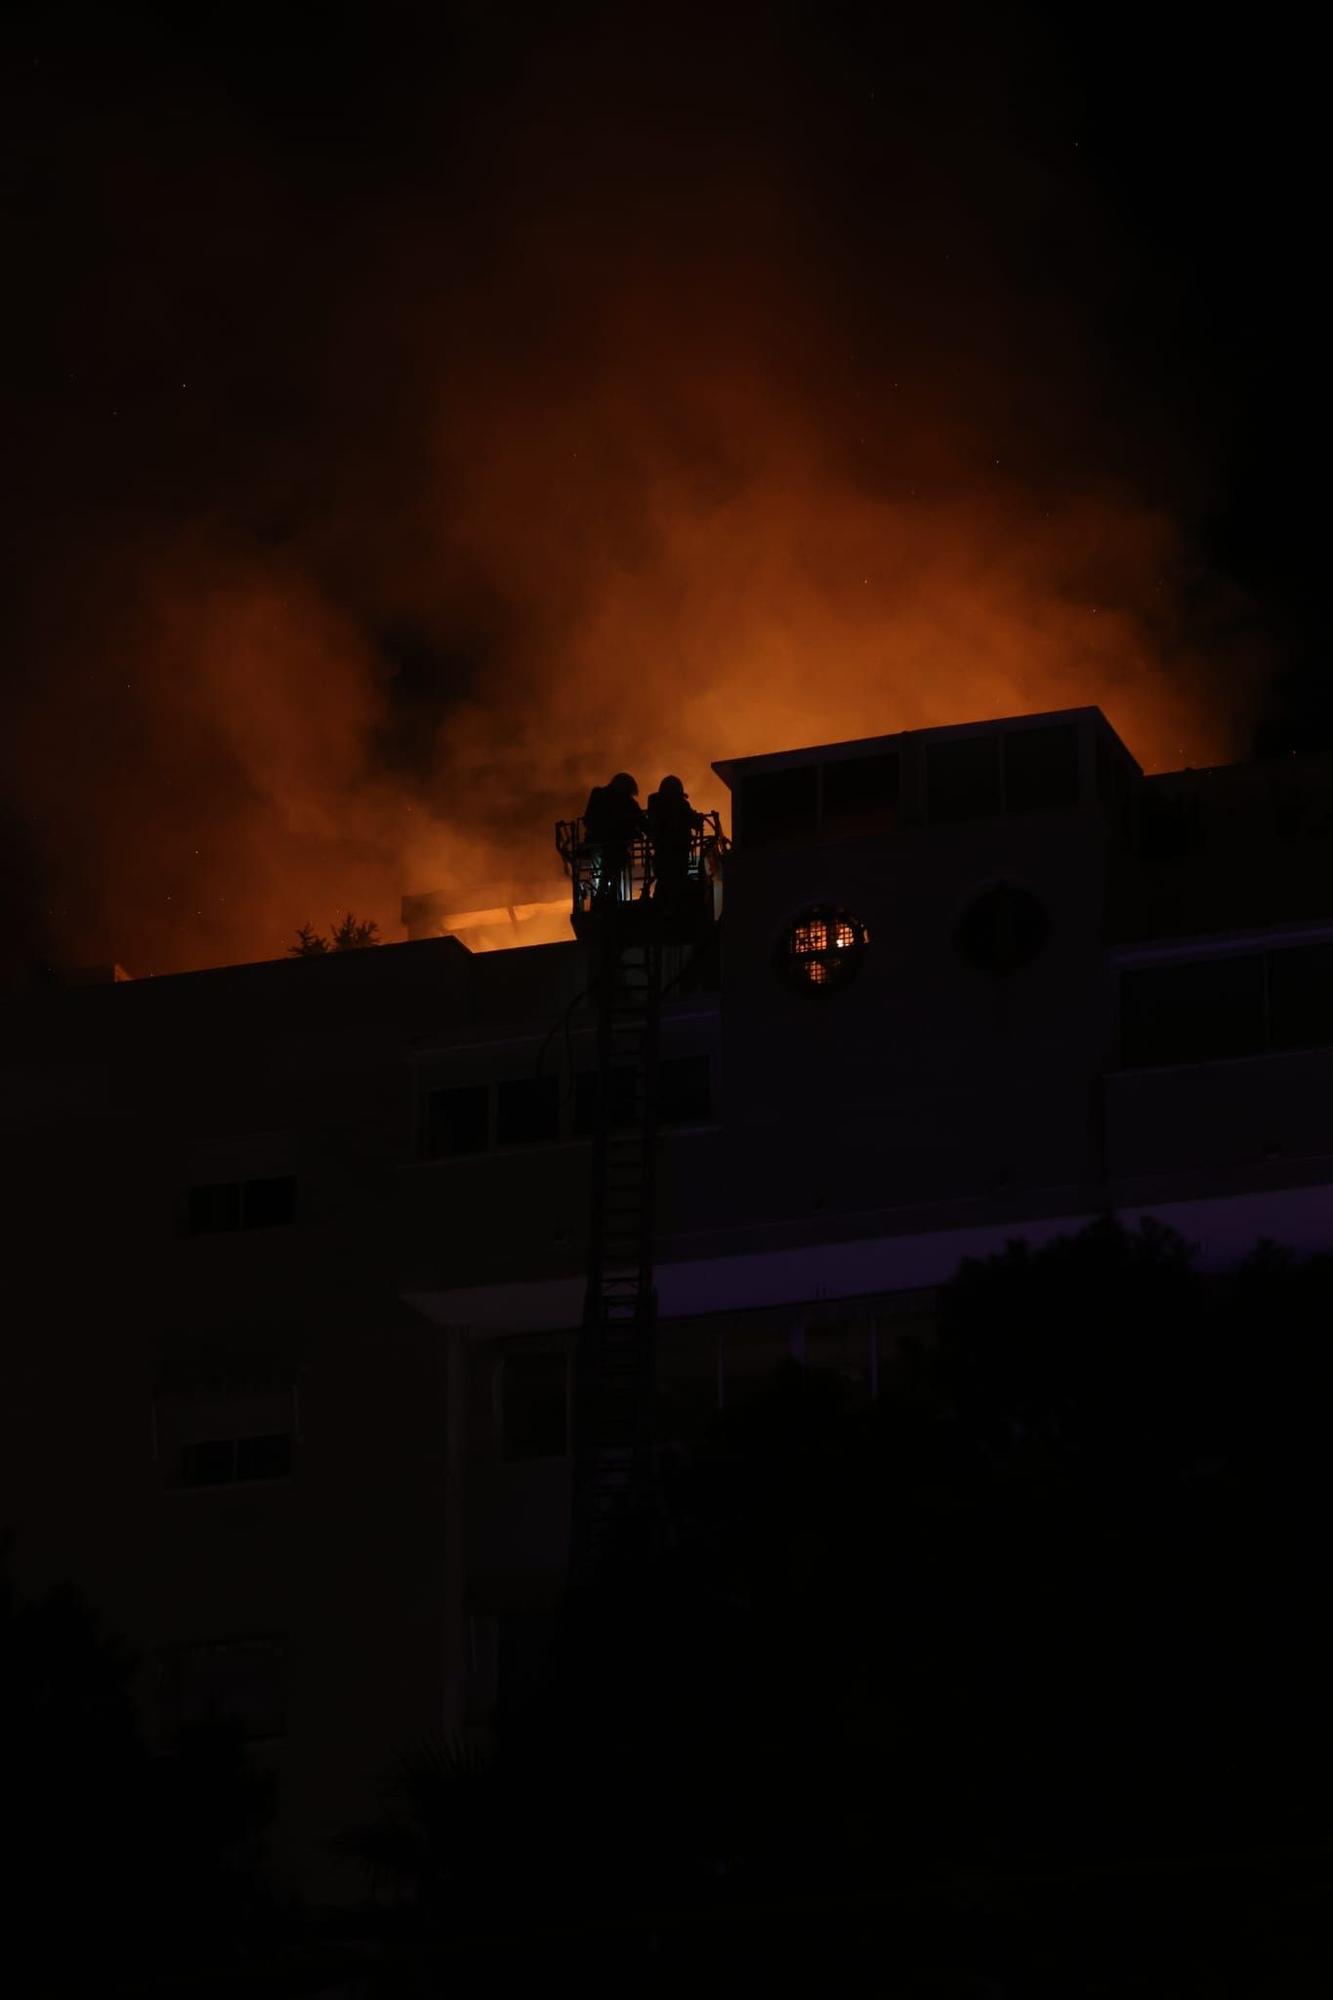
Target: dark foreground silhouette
122	1869
1013	1681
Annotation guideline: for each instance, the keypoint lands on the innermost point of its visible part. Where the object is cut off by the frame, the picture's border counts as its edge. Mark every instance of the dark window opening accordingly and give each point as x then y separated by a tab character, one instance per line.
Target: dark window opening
623	1105
1300	996
823	949
684	1089
215	1206
963	778
1003	930
527	1110
268	1457
234	1461
242	1679
223	1205
1041	769
457	1121
1196	1012
269	1203
211	1463
534	1406
780	805
861	794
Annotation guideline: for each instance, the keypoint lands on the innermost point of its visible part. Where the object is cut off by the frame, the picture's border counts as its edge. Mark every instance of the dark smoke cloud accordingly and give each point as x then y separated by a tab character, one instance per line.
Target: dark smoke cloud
421	422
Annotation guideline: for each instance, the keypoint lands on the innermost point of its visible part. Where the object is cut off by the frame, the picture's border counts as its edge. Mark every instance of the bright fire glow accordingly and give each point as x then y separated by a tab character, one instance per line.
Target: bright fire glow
635	475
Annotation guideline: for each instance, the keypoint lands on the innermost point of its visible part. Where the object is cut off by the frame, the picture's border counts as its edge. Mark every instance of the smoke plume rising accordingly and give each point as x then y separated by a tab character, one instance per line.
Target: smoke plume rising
644	402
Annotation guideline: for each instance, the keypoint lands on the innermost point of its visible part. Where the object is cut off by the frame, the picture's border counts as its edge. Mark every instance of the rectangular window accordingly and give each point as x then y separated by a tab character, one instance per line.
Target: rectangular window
588	1100
1195	1012
1300	996
527	1110
779	805
861	794
268	1204
215	1206
211	1462
963	778
268	1457
235	1461
241	1678
457	1121
684	1089
534	1406
224	1205
1041	769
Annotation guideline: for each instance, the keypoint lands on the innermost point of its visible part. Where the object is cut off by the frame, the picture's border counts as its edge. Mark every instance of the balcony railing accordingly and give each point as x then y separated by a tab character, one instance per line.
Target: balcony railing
606	875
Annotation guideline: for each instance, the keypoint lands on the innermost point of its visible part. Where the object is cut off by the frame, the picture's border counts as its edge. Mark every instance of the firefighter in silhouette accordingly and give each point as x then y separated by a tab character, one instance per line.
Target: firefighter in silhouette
673	826
613	820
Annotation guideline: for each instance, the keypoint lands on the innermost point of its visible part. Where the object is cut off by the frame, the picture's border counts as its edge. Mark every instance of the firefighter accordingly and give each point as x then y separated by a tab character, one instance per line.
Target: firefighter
673	826
613	820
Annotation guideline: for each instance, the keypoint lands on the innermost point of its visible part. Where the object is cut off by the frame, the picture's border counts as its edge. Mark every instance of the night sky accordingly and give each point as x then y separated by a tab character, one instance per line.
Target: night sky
413	413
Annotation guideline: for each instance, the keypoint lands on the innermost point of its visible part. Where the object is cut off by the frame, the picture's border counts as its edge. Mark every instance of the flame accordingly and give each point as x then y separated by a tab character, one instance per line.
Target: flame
591	471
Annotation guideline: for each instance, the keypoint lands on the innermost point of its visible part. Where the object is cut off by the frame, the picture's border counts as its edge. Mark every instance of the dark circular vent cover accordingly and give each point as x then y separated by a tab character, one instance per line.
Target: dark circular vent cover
1003	930
823	948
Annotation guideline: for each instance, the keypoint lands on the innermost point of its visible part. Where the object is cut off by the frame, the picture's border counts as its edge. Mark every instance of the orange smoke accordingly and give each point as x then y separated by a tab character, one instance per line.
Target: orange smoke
650	471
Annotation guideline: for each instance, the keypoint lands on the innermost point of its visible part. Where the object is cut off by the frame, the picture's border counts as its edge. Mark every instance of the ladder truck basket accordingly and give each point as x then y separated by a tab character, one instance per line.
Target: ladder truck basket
603	874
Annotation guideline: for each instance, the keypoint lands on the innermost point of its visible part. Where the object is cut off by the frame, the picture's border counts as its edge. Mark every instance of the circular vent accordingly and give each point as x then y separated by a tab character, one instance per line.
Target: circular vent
823	948
1003	929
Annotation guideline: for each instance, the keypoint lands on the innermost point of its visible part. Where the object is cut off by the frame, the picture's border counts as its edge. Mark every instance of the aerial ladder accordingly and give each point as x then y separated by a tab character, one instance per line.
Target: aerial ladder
628	925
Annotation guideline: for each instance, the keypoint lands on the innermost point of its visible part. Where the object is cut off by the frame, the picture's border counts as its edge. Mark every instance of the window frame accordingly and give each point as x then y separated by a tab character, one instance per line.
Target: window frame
238	1187
790	962
1004	773
233	1442
1203	952
433	1155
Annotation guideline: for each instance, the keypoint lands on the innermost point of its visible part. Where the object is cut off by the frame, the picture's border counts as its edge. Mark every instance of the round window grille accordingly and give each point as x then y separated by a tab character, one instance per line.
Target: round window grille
823	948
1003	929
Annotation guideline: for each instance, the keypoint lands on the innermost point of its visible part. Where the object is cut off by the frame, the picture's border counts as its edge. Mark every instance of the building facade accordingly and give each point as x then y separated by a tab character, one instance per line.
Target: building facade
298	1248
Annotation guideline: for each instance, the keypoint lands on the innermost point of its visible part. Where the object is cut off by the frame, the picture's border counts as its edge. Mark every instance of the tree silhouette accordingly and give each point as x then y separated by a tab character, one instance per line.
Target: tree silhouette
439	1861
75	1774
352	934
134	1871
349	933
